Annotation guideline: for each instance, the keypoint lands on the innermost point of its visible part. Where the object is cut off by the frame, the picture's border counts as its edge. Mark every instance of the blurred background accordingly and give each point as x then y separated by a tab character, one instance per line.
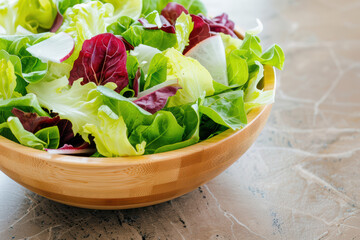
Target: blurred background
300	179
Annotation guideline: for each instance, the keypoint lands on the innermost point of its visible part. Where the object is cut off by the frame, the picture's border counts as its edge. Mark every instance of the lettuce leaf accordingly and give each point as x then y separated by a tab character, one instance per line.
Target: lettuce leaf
7	79
252	50
226	109
184	26
164	130
157	71
194	79
50	136
110	135
32	15
22	136
28	103
255	97
144	55
188	117
237	68
194	6
84	21
135	33
230	43
79	103
30	68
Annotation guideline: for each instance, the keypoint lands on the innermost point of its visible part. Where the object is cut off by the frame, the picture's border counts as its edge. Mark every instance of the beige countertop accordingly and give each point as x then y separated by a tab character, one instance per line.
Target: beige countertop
301	178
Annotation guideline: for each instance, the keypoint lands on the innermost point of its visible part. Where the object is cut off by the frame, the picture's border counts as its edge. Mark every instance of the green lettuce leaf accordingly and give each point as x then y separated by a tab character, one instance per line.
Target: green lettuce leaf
22	136
164	130
194	6
7	79
31	69
157	71
111	137
226	109
188	117
237	68
184	26
136	34
32	15
132	114
252	50
255	97
194	79
50	135
28	103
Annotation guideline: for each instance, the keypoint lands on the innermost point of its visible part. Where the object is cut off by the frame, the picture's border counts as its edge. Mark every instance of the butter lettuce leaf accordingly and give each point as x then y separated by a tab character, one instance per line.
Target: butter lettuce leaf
32	15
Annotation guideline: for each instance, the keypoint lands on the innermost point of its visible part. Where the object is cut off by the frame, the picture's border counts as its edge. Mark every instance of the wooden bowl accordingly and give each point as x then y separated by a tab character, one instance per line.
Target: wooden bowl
129	182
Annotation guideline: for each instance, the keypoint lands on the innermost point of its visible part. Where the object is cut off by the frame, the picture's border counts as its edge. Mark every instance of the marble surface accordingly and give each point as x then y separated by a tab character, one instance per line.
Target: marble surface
298	181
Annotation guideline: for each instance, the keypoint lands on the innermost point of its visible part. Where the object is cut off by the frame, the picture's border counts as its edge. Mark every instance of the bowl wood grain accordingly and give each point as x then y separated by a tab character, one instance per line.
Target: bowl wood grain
119	183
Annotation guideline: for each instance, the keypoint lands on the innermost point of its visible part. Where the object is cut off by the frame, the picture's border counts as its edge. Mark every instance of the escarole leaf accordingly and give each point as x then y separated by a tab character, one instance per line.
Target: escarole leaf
84	21
77	103
102	60
31	15
131	8
194	79
110	135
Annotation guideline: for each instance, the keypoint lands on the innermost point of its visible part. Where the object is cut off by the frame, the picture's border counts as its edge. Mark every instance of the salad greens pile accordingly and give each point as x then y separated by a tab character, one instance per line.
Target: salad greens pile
112	78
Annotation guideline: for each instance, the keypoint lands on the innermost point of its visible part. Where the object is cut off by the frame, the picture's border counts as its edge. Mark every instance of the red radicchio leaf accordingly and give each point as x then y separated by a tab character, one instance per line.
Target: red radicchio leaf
33	123
223	19
221	24
166	26
200	32
136	82
156	100
57	23
102	60
172	11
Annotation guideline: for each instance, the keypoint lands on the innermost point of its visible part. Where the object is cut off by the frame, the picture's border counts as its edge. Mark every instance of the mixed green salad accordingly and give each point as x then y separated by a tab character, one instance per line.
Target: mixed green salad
114	78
